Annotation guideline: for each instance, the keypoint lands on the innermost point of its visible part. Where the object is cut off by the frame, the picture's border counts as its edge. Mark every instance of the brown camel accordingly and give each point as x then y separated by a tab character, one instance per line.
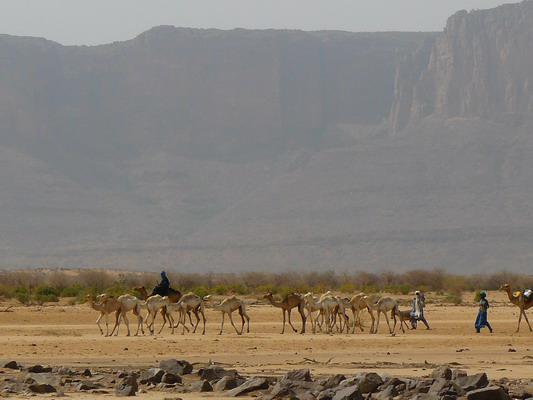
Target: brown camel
289	302
519	300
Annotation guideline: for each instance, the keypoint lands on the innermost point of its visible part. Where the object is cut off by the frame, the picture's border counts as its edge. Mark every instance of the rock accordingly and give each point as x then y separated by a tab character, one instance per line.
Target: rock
201	386
442	372
43	378
42	388
87	372
84	386
12	365
286	387
225	383
151	375
176	367
250	385
488	393
39	369
368	382
326	394
170	378
214	373
64	371
349	393
299	375
128	386
331	381
457	373
472	382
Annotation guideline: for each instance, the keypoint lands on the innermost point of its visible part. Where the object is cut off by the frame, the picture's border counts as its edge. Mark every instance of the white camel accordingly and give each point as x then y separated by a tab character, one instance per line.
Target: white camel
127	303
228	306
383	306
313	305
189	302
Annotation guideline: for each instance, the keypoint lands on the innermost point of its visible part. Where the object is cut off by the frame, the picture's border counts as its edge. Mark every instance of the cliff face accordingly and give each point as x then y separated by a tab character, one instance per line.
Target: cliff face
481	67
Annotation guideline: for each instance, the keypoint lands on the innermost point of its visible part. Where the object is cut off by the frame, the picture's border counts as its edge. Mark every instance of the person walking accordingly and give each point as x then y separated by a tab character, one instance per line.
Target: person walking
482	315
417	313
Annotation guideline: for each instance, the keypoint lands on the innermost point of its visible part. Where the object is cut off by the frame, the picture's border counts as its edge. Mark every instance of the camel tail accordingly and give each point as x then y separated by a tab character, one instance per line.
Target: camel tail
394	312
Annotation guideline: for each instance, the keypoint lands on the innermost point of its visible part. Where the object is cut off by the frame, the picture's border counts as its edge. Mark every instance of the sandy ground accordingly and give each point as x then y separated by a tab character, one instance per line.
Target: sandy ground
67	335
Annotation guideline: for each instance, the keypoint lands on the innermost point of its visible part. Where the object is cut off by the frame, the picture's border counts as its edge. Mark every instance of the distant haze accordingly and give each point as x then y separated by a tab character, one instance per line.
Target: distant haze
104	21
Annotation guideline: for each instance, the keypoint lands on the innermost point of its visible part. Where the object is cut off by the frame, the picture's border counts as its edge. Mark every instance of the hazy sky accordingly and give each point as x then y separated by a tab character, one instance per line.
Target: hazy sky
102	21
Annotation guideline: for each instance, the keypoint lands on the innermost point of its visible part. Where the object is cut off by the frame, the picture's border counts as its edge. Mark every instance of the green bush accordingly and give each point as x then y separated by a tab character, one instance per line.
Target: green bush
201	291
45	291
6	292
72	291
454	298
22	297
45	298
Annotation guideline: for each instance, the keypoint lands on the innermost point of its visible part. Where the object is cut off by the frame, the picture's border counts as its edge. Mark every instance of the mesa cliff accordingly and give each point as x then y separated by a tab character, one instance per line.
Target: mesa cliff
479	67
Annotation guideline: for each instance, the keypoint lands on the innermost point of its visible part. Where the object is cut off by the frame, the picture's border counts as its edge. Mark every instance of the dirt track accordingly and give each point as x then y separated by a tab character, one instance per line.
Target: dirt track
67	335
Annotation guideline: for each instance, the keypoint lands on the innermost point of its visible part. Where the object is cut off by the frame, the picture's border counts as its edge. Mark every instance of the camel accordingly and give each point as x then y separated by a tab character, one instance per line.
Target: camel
382	306
357	304
290	301
154	304
403	316
312	305
189	302
227	306
340	311
519	300
105	308
174	296
128	303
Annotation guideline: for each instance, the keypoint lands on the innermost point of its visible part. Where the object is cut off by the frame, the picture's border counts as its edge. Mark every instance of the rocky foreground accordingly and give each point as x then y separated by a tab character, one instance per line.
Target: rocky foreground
179	376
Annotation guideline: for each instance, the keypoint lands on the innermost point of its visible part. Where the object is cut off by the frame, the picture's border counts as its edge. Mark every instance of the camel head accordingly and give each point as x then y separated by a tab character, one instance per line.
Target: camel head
268	296
505	287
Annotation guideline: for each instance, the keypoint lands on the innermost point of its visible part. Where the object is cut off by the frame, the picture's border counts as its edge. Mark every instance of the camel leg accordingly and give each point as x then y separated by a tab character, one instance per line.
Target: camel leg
197	320
313	328
242	321
203	319
98	323
388	323
118	315
247	322
519	321
283	329
290	323
190	319
222	324
377	323
527	320
304	319
125	317
372	327
139	324
234	327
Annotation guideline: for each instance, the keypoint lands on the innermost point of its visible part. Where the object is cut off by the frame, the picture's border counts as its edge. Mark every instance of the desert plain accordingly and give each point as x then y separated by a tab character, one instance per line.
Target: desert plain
66	335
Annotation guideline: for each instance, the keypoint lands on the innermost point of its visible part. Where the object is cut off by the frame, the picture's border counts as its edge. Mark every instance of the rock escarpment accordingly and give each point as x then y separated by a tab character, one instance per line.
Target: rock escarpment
480	67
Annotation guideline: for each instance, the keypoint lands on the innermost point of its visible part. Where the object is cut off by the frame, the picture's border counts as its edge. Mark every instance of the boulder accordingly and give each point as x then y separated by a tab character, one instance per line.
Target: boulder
39	369
170	378
349	393
201	386
127	387
12	365
42	388
84	386
331	381
368	382
44	378
250	385
488	393
299	375
214	373
225	383
472	382
443	372
87	372
176	367
151	375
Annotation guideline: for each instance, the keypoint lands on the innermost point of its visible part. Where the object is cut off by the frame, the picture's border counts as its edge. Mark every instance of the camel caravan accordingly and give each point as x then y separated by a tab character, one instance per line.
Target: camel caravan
327	313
